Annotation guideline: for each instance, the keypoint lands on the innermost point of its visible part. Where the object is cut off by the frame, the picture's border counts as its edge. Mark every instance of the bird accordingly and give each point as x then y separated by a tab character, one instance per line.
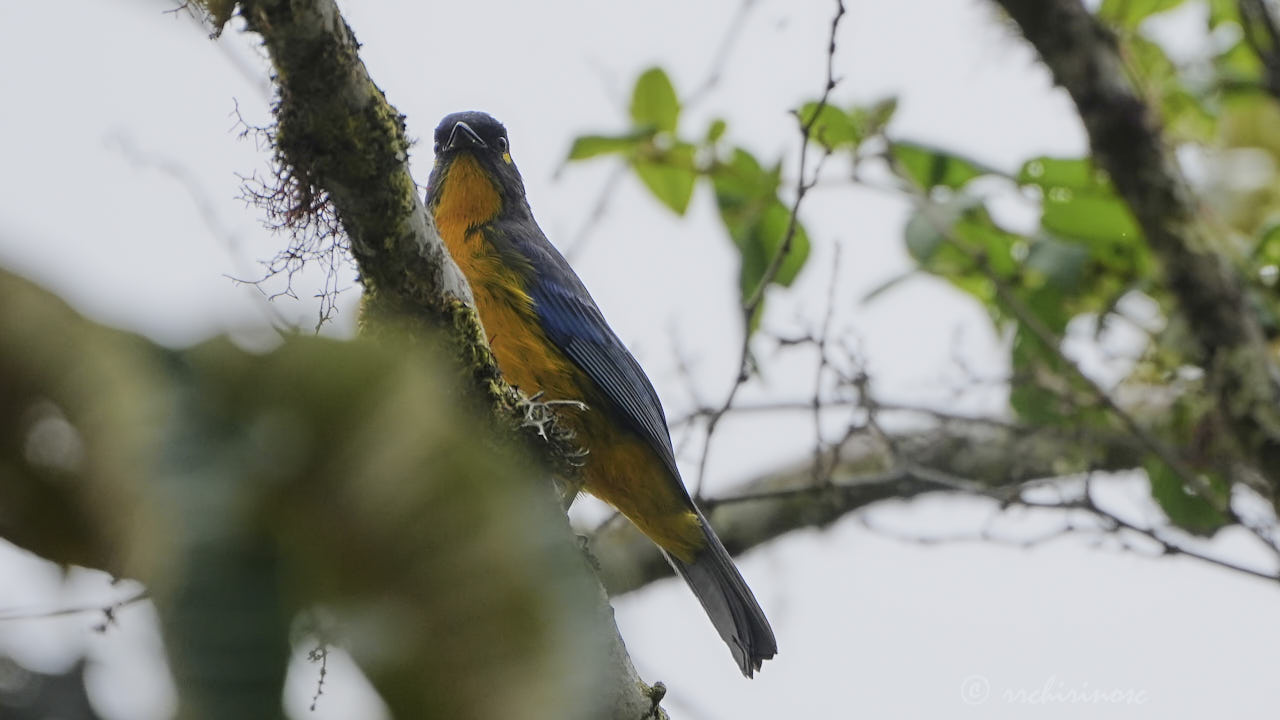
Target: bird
550	340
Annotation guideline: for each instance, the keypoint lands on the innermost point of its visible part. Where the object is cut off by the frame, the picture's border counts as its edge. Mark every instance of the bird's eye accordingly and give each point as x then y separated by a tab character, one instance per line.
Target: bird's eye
501	144
436	148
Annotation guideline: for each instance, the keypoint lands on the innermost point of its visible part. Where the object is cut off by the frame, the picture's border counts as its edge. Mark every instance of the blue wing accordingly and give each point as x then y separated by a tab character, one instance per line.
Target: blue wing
573	322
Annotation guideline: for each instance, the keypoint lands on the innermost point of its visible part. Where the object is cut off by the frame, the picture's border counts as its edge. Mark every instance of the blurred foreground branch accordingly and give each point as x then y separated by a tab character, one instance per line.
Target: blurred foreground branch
243	488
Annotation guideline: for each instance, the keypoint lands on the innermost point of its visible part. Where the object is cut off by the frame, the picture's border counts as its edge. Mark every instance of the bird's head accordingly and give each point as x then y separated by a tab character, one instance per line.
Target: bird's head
473	165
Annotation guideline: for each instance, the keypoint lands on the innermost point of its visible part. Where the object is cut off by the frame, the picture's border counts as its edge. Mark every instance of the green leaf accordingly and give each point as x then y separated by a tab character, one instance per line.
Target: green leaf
1267	251
743	190
924	237
1080	204
959	241
773	232
887	285
1037	396
1238	64
589	146
715	130
1095	219
1221	11
1185	508
742	184
759	243
872	120
930	167
670	176
945	238
1035	405
930	226
1128	14
653	102
835	128
1054	262
831	128
757	221
1048	305
1051	172
1080	210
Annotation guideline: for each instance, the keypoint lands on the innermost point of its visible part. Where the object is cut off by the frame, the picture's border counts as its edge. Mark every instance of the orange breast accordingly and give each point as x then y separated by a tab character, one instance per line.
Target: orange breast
468	201
621	468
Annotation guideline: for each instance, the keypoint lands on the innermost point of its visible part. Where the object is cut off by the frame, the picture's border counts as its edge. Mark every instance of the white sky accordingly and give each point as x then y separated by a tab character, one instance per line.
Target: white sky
101	96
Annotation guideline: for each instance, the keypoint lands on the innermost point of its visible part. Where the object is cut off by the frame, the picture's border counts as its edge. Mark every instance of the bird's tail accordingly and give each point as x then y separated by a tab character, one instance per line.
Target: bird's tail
728	602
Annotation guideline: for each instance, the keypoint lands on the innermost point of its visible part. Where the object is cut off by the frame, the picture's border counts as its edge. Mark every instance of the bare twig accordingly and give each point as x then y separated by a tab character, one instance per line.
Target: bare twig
723	51
597	213
107	610
1168	547
803	184
319	654
231	242
804	405
1108	524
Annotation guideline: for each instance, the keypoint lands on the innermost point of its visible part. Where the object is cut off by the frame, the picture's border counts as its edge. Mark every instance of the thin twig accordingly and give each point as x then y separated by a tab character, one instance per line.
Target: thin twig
820	469
799	405
721	57
108	610
598	210
1167	546
752	305
319	654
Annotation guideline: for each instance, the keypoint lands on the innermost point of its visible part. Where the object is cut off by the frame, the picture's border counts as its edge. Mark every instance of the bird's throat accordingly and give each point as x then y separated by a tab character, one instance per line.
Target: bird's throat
468	199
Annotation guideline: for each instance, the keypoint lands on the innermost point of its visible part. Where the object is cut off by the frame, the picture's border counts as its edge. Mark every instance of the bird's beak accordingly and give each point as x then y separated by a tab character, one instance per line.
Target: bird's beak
464	136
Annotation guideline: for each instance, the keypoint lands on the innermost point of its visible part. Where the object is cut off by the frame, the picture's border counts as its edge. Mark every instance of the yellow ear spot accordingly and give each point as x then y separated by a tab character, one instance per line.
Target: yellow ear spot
506	158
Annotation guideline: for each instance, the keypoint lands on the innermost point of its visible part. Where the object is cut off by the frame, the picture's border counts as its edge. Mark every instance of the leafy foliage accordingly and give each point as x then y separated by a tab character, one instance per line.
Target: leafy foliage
1087	252
845	129
654	103
748	193
931	167
1129	14
1184	506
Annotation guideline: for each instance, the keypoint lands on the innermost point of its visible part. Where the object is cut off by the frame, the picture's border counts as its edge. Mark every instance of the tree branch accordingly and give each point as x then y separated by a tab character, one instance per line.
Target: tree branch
957	456
1263	37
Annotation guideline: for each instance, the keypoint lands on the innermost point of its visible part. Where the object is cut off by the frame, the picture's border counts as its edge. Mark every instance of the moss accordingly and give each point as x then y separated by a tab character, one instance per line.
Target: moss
475	354
655	693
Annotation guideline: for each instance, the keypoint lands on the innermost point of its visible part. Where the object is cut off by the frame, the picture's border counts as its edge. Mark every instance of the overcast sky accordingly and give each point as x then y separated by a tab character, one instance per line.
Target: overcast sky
120	157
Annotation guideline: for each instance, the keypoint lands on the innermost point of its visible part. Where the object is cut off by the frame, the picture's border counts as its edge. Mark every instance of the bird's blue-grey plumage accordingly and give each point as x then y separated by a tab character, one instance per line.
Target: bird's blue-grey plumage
574	325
